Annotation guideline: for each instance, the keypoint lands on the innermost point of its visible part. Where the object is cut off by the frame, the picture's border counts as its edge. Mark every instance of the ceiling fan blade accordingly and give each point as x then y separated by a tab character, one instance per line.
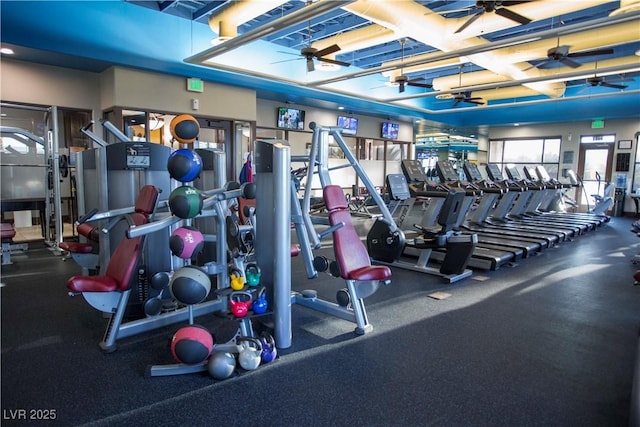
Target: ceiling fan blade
334	61
509	14
457	101
401	87
470	21
620	79
416	84
544	64
568	62
327	51
286	60
613	86
473	101
310	65
591	53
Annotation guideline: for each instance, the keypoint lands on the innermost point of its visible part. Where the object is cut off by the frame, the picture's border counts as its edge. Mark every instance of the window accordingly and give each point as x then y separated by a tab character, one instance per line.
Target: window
529	152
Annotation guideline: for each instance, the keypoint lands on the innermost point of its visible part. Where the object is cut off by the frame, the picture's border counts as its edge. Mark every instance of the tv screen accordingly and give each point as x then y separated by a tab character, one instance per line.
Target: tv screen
290	118
348	124
390	130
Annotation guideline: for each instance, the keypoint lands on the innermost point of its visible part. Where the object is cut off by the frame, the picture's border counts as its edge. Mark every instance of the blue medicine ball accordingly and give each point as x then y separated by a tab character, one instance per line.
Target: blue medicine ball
184	165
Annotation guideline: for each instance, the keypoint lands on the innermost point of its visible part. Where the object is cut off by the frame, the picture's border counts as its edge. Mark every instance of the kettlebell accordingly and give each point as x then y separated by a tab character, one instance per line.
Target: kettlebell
259	305
221	365
252	273
269	351
236	279
250	353
239	303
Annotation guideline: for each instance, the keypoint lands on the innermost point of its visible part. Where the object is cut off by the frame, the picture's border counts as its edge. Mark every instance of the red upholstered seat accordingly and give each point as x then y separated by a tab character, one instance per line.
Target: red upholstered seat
147	199
351	254
77	247
124	259
120	269
89	231
295	250
7	232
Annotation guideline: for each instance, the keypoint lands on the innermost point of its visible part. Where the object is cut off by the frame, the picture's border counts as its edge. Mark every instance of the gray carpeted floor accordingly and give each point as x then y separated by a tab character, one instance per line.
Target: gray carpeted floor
551	341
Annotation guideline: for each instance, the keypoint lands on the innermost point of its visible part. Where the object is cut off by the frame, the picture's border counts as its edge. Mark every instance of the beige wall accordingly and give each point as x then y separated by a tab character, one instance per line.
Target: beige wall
161	92
30	83
368	127
25	82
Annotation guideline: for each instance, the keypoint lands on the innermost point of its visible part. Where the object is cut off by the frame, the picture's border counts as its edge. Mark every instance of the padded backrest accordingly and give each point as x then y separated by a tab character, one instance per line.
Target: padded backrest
124	259
350	252
147	199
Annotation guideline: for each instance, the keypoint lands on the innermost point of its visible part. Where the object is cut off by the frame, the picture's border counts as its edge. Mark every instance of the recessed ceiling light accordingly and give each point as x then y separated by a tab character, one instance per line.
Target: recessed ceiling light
516	124
341	108
6	51
638	52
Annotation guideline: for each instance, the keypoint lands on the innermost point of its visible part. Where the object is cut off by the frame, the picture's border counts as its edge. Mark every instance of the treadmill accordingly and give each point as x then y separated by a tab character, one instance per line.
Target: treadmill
523	212
476	220
497	218
487	247
588	220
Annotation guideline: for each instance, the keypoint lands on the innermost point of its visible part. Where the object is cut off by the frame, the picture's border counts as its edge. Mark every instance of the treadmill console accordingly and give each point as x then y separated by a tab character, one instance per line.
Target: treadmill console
446	172
542	173
494	173
398	187
472	172
513	173
413	171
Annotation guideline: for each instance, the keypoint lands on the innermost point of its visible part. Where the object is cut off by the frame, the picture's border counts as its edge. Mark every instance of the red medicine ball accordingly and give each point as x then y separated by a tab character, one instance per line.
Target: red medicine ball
185	242
191	344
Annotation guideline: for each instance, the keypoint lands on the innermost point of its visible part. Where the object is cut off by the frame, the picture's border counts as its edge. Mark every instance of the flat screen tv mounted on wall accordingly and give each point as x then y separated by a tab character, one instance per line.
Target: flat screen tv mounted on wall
349	125
290	118
390	130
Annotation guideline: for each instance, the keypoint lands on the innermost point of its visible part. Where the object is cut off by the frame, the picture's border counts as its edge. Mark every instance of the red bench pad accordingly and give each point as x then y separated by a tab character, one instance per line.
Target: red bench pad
375	272
76	247
351	254
92	284
7	231
119	271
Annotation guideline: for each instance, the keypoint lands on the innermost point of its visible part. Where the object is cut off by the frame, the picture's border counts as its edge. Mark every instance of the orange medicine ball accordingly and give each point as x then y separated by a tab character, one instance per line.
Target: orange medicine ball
185	128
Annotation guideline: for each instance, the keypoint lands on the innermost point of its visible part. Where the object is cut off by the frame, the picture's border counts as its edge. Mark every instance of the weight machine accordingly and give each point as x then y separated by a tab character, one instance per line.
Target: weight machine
20	189
278	206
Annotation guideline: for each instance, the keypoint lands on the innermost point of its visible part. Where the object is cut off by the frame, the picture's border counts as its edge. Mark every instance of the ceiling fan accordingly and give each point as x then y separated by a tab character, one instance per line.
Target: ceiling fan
563	55
500	8
311	53
466	95
403	80
597	80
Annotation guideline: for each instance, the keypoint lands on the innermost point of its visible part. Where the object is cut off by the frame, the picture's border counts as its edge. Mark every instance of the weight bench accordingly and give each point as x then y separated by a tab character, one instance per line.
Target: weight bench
352	257
110	292
86	254
354	266
7	233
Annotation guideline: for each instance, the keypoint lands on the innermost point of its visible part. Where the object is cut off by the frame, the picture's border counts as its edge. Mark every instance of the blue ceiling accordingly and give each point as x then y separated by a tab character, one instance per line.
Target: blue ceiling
161	35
